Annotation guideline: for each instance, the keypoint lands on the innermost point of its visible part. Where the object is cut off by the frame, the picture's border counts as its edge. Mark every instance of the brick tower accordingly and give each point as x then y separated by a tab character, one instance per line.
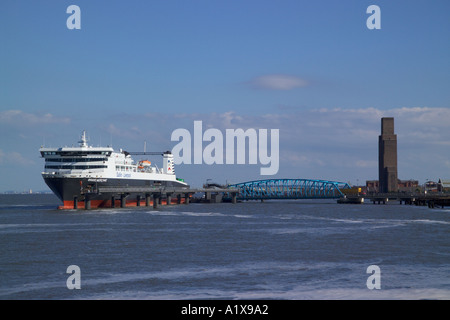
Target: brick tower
387	157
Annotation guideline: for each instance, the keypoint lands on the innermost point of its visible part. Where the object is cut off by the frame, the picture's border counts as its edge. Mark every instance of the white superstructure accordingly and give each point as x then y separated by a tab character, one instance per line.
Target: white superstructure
86	161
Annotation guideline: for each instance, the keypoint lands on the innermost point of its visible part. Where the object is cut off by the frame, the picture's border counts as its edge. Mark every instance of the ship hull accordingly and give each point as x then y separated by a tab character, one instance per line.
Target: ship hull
72	191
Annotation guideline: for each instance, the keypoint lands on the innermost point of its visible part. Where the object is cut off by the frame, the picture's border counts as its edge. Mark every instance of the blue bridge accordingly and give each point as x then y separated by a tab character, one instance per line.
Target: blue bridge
289	189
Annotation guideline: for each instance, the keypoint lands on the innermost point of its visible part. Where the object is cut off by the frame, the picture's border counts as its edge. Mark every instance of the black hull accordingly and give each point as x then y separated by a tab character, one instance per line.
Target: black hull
70	189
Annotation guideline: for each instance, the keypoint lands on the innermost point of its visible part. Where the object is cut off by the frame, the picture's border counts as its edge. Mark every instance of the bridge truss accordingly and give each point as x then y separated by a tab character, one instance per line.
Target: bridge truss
289	189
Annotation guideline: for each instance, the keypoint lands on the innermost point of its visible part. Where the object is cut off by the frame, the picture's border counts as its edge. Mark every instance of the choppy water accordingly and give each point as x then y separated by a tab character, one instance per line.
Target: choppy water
251	250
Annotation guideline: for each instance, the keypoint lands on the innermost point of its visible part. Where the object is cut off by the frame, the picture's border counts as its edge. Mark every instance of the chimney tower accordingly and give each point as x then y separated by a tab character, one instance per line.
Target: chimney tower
387	157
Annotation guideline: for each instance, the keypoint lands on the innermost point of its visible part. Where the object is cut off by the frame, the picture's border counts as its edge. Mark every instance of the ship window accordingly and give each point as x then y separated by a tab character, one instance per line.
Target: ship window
67	167
75	159
80	153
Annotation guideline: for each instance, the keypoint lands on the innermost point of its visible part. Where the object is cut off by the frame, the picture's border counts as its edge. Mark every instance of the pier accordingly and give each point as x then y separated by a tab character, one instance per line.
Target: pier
432	200
252	190
151	196
287	189
279	189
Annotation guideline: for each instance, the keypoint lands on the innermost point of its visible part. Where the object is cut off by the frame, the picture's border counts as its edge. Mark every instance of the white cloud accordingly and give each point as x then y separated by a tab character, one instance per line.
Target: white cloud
296	158
277	82
125	131
14	158
19	117
328	129
367	164
435	117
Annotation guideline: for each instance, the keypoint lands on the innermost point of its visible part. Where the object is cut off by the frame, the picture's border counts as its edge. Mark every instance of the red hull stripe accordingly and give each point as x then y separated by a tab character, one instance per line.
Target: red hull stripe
107	203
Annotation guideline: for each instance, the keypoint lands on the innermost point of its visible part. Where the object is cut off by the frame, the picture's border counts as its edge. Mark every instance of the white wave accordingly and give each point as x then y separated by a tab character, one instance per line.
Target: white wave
163	213
202	214
27	287
114	278
185	213
269	289
291	230
426	221
27	225
298	293
242	216
51	228
347	220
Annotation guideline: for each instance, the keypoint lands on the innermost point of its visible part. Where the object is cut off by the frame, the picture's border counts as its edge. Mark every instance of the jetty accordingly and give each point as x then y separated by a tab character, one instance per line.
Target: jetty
432	200
152	196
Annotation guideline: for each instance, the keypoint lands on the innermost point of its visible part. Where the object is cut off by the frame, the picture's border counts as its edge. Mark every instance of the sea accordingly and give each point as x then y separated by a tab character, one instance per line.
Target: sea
271	250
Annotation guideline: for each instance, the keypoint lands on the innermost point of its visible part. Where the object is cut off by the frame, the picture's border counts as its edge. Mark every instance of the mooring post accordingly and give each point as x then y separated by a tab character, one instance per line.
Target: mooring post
169	199
234	197
123	201
138	201
147	200
155	201
87	203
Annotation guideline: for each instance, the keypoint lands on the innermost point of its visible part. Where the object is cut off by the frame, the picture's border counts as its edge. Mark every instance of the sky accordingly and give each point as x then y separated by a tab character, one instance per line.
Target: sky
138	70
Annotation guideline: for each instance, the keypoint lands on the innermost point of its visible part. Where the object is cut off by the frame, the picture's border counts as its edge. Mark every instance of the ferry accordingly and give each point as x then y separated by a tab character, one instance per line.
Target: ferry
73	172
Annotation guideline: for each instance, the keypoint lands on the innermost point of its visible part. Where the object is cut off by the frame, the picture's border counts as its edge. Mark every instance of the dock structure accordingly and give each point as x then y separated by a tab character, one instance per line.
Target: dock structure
284	189
153	196
432	200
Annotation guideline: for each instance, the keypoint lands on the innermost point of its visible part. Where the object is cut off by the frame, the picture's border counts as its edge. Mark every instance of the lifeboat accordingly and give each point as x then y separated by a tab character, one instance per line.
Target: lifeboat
144	164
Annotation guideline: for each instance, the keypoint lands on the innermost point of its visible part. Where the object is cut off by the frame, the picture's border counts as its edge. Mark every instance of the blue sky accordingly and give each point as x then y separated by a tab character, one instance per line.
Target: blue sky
137	70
